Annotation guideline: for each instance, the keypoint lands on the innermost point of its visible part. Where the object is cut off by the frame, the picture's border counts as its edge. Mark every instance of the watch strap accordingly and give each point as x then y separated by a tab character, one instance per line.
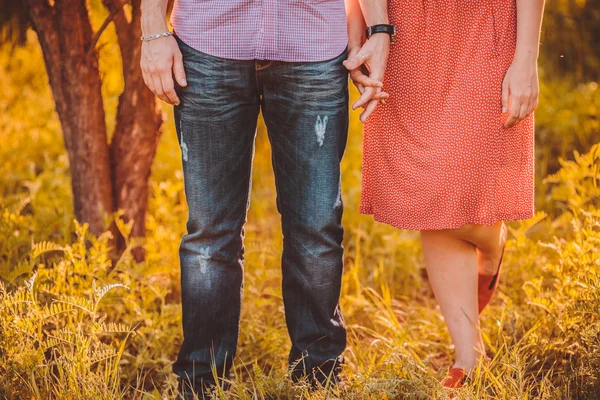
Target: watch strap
382	28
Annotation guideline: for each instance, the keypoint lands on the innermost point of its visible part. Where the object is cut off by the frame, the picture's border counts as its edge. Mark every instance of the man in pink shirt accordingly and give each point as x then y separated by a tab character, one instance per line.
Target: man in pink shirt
226	62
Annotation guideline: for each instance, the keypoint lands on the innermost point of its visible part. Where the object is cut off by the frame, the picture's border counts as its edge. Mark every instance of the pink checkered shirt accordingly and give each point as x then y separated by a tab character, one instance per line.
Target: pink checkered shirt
279	30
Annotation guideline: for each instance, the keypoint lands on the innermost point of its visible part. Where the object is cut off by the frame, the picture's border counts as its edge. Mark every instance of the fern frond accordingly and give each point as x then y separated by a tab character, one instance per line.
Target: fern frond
78	302
102	355
22	268
44	247
112	327
100	292
55	309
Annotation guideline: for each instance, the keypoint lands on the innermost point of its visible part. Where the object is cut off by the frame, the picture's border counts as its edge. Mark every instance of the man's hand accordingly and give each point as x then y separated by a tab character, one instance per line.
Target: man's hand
161	60
373	56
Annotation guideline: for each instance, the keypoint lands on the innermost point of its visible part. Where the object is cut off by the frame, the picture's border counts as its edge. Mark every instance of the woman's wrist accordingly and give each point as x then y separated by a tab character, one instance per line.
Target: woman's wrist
527	53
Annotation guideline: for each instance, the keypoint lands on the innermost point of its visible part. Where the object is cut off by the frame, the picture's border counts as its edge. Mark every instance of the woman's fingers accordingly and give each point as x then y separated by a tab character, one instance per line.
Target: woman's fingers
523	112
535	104
515	111
368	110
381	96
520	91
529	109
367	96
521	106
505	95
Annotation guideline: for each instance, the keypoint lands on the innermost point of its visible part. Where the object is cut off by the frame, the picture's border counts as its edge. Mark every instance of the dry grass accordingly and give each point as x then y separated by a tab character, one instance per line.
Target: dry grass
72	328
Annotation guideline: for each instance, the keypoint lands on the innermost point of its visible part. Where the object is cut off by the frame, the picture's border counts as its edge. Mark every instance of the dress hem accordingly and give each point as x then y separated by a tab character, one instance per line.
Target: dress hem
466	221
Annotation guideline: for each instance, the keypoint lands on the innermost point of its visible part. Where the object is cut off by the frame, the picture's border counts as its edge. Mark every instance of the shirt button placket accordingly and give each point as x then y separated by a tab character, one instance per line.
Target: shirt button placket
259	51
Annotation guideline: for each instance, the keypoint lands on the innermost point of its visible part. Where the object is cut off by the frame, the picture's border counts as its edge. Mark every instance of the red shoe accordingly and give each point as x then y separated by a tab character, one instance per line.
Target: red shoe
455	378
487	285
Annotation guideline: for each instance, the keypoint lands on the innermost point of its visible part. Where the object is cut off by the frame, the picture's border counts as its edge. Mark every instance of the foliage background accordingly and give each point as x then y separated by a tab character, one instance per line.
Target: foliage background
72	327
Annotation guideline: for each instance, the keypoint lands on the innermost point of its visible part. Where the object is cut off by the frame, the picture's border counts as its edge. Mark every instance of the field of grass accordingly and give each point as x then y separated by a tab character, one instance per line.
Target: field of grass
71	327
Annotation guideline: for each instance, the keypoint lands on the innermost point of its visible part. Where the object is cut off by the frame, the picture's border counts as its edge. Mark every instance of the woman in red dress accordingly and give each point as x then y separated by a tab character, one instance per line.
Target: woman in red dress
450	153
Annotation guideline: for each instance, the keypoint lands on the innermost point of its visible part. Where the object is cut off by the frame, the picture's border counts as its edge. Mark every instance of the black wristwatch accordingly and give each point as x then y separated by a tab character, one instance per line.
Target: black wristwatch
382	28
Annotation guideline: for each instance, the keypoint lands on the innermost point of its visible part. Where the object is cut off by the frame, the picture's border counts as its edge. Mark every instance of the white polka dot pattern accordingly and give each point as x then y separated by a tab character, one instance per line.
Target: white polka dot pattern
436	155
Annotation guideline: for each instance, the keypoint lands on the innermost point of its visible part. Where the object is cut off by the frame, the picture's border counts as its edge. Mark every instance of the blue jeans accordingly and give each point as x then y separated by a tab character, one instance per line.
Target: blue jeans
305	108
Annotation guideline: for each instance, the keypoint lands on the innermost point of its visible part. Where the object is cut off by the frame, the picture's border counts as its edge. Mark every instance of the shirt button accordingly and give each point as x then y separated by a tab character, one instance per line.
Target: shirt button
262	30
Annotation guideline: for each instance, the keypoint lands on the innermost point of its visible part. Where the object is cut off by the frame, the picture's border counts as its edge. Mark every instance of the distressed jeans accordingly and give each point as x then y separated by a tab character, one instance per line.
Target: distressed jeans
305	108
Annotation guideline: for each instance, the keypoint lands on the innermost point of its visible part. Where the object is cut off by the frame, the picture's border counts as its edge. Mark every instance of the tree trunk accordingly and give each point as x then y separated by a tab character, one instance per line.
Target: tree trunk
105	177
137	131
65	34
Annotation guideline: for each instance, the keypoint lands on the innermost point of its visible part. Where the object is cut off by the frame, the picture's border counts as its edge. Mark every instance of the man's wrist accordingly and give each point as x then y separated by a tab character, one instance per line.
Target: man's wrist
153	24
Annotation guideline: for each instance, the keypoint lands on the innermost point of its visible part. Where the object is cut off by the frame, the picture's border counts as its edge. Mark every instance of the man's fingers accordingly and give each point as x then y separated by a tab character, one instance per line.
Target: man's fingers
355	61
368	110
158	89
147	80
169	88
178	70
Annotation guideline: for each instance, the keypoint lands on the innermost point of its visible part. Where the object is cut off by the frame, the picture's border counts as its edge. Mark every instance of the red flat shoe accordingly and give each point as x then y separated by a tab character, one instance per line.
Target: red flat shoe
455	378
487	285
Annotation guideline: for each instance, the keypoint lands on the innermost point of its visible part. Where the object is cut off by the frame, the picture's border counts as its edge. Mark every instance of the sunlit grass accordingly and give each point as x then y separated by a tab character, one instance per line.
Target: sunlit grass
66	332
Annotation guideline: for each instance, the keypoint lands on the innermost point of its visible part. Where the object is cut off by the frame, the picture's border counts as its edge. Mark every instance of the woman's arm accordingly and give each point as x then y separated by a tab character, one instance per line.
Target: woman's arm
520	88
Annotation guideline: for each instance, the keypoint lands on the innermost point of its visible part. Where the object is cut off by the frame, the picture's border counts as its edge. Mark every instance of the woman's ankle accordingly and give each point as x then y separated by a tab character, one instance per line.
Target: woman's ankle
468	366
469	363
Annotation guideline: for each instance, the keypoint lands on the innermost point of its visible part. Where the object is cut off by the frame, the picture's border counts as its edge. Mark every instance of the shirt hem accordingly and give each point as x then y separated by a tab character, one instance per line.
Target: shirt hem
326	56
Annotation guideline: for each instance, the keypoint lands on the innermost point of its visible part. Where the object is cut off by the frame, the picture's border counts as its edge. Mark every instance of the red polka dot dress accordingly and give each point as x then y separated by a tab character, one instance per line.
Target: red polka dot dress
437	156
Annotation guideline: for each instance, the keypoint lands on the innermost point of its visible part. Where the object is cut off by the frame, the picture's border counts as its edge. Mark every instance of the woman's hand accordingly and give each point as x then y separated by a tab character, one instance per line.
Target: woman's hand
372	56
520	89
359	78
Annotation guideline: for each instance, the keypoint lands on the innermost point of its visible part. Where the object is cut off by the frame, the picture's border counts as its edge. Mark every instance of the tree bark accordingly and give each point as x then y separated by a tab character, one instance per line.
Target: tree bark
65	34
137	131
105	177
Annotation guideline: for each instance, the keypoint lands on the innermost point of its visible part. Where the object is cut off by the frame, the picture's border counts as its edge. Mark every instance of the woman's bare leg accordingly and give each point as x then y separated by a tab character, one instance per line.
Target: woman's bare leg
489	241
453	259
452	268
